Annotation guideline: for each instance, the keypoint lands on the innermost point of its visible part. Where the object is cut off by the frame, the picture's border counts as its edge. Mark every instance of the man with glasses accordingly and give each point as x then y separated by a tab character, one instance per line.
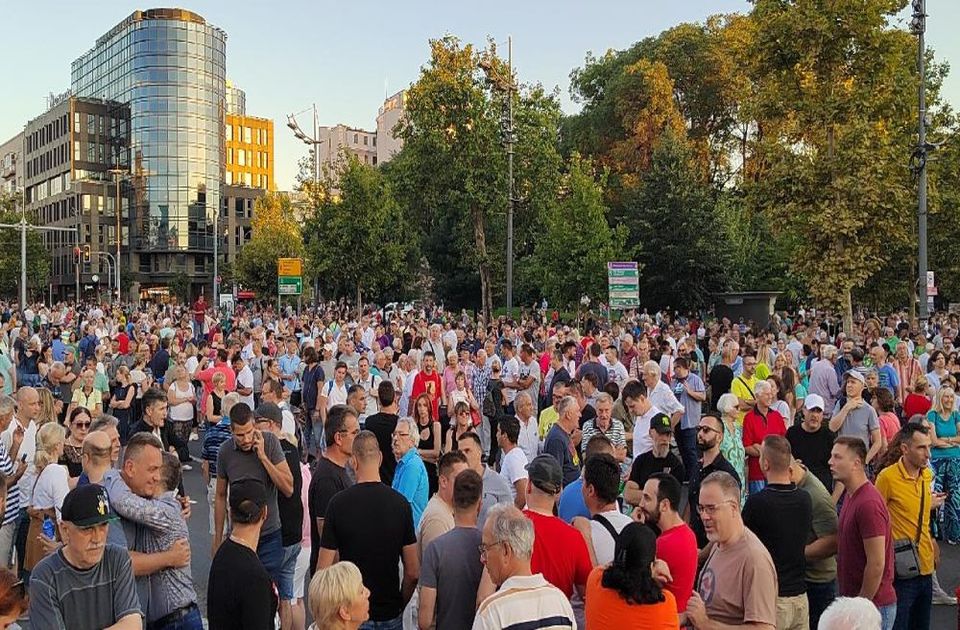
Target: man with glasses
738	583
410	477
524	599
743	384
709	437
330	476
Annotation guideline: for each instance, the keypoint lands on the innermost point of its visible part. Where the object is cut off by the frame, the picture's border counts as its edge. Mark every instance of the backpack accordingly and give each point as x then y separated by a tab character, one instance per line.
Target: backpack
492	405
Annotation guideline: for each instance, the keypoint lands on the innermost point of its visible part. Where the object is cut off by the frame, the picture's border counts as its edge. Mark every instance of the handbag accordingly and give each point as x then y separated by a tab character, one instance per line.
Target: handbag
906	560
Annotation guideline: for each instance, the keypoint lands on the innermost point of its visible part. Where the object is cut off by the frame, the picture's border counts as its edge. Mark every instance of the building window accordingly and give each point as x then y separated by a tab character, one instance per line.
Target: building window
229	155
229	178
266	136
266	182
365	138
229	133
266	160
356	138
248	179
246	135
242	157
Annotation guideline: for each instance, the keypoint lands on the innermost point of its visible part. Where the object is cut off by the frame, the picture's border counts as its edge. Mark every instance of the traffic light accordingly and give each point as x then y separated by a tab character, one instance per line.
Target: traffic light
76	255
86	253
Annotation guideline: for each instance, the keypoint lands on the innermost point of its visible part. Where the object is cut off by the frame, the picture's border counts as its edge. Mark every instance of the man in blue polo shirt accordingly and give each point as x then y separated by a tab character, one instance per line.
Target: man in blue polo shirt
410	477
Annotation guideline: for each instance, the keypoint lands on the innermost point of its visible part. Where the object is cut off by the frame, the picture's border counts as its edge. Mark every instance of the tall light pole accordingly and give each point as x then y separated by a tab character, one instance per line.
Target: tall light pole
312	141
507	86
919	159
117	173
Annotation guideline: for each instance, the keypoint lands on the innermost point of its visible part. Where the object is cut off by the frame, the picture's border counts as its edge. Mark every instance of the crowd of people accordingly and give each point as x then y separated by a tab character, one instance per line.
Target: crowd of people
421	469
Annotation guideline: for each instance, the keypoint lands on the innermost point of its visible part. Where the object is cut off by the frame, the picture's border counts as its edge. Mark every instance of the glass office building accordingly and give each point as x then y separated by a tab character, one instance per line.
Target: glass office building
169	65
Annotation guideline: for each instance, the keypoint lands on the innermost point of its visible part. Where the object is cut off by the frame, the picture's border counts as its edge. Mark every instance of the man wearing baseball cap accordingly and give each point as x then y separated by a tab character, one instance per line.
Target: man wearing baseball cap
70	587
812	440
658	459
854	417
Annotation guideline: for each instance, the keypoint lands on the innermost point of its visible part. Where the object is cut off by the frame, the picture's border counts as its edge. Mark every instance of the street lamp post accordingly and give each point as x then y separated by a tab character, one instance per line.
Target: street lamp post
117	172
312	141
918	25
509	139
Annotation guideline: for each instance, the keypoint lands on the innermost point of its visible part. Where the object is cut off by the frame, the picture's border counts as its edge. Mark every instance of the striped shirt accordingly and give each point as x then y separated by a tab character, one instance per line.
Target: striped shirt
525	602
615	433
215	435
13	492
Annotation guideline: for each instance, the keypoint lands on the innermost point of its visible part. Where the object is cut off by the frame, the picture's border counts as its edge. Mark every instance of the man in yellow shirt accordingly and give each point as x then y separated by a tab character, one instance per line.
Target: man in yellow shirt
549	416
743	385
906	489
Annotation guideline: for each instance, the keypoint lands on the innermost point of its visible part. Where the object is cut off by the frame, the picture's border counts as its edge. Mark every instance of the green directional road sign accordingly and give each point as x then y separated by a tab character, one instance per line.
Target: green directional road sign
623	282
289	285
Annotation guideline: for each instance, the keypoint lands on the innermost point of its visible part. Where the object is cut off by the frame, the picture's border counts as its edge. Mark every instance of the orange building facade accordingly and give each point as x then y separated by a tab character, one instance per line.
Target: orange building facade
249	145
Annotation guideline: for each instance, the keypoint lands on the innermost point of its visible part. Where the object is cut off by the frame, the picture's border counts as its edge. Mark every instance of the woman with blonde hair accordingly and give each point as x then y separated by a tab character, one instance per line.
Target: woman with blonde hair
49	489
732	445
945	457
917	401
214	406
180	397
338	598
49	411
87	395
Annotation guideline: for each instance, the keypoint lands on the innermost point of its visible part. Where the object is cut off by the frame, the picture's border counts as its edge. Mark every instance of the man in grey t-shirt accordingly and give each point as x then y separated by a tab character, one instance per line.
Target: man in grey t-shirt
251	454
451	569
856	417
87	584
495	488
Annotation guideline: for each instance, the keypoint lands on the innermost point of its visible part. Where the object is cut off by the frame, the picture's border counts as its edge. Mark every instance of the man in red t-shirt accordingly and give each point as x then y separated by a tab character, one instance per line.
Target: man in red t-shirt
864	538
677	544
559	551
760	422
199	317
428	381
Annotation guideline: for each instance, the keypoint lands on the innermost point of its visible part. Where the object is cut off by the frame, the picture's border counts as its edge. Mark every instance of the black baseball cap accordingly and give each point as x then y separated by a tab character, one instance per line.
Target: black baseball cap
270	411
87	506
661	423
245	492
545	473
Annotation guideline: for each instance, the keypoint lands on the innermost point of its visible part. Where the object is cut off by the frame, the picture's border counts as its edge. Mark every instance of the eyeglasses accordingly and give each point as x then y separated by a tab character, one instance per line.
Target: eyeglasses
706	429
354	433
710	510
401	435
82	425
483	548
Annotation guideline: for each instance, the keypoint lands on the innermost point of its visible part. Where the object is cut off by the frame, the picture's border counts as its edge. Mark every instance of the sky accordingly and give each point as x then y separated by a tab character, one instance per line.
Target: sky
346	56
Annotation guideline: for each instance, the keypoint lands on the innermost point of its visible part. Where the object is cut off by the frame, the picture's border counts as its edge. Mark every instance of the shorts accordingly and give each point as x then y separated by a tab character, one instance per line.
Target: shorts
288	569
270	552
300	573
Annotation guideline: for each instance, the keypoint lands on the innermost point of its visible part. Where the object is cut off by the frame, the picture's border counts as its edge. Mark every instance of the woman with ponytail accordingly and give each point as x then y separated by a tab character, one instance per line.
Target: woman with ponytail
624	594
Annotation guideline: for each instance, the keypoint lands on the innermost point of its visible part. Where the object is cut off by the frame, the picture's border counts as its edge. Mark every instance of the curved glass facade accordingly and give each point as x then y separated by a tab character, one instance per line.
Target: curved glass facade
170	66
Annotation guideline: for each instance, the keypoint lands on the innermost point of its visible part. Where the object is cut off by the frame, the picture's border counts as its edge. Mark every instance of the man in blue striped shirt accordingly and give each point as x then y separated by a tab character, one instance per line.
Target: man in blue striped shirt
410	477
12	474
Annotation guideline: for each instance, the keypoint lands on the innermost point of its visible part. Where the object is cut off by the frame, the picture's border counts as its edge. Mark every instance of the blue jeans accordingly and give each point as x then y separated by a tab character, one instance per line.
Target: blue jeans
819	596
687	443
287	568
270	552
887	616
191	621
947	479
914	599
390	624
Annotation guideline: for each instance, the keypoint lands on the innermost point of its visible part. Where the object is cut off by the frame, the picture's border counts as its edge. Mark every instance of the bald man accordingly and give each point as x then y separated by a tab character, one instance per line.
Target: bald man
96	455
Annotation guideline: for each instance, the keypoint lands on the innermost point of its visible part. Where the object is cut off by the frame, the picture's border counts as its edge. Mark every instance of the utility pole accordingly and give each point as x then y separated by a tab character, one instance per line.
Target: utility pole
918	26
117	172
511	139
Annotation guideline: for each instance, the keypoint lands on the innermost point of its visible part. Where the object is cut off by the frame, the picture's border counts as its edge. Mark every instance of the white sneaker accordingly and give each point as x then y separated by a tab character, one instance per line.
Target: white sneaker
186	467
943	599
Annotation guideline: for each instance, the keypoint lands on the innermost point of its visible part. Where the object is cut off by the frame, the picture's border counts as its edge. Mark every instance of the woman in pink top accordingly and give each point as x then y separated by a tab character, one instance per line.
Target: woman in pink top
889	422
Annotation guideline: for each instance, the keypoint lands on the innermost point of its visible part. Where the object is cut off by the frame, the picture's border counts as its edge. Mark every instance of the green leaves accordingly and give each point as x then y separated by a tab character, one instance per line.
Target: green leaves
275	234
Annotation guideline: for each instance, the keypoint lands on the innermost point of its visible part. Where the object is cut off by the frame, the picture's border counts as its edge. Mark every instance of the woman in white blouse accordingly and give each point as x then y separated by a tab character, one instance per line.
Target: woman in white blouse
50	488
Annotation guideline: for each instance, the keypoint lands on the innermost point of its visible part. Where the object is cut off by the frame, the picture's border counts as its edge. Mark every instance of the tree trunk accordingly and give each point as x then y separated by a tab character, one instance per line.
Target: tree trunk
848	311
359	303
479	235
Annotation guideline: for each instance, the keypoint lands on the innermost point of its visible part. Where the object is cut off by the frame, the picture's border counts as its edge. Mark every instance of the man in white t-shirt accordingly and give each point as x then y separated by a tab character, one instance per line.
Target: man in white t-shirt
643	410
616	371
510	374
513	465
370	383
244	380
20	441
601	487
334	391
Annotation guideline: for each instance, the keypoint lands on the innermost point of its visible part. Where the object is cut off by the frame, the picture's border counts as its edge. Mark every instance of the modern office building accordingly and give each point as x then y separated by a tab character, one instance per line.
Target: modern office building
169	67
236	100
11	158
249	142
70	151
389	115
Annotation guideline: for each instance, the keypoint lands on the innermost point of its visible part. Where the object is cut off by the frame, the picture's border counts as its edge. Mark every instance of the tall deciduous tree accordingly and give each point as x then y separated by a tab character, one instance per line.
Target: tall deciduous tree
575	244
358	242
38	257
275	234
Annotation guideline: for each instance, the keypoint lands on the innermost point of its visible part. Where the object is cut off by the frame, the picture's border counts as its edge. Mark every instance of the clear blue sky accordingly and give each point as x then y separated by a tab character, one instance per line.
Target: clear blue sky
344	56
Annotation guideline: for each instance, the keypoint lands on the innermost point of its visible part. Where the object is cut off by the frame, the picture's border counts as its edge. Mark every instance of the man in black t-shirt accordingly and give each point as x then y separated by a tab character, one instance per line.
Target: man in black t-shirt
371	525
240	591
269	420
811	441
781	515
709	436
331	475
382	424
658	459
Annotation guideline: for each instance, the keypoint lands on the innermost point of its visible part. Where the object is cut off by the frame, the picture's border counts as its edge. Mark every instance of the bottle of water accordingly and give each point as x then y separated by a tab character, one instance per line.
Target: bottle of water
48	528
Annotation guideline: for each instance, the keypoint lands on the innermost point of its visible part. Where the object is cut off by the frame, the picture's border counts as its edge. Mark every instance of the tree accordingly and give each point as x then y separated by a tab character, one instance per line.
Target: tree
179	286
38	256
275	234
576	243
365	223
683	261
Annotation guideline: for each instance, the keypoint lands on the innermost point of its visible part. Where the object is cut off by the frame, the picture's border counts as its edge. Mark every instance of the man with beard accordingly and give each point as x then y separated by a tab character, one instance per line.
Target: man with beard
676	544
709	437
660	459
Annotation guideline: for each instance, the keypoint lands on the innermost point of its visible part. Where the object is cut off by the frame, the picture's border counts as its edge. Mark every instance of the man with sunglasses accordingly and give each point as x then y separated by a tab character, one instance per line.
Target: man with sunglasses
738	583
709	436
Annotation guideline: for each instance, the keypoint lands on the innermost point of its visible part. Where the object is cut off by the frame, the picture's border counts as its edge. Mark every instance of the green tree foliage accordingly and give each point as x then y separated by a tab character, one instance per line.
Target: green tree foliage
358	242
38	258
683	259
180	287
275	234
575	229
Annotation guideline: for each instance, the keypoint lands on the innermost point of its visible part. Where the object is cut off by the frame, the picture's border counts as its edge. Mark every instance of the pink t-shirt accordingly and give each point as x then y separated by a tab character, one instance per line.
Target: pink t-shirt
889	424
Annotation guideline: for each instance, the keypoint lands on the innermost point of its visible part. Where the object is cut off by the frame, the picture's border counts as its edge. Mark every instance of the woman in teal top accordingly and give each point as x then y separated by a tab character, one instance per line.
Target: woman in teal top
945	454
